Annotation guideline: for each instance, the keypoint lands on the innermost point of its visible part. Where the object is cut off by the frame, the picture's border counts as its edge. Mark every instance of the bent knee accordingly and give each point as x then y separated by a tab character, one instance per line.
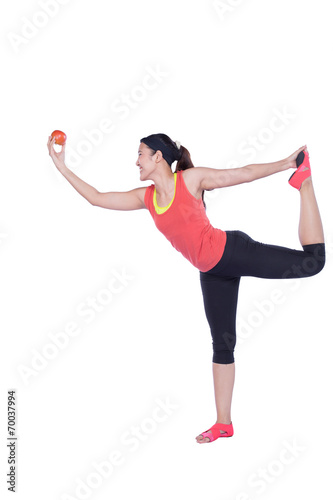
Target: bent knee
316	262
321	265
313	260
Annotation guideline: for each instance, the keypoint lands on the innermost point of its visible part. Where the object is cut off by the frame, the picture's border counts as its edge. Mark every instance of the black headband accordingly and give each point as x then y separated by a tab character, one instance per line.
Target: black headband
169	154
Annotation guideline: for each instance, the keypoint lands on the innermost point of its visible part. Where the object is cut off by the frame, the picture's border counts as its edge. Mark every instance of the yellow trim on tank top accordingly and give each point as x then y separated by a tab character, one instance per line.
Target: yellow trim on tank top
161	210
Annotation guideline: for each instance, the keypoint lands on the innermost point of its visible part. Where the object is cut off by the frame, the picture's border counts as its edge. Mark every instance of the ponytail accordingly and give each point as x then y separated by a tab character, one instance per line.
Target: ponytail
184	163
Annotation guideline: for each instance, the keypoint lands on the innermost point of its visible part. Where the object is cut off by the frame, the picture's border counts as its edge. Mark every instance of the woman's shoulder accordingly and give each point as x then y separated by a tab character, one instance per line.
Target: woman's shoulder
192	179
146	193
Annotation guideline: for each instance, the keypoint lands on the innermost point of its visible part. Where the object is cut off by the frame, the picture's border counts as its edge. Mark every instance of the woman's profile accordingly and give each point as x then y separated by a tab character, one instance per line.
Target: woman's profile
175	201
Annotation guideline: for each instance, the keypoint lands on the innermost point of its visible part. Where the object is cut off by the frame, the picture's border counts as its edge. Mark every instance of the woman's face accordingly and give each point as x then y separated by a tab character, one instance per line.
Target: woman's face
145	161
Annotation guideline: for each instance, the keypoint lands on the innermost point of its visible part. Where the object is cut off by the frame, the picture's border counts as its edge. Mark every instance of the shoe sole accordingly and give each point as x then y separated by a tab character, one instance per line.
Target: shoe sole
299	161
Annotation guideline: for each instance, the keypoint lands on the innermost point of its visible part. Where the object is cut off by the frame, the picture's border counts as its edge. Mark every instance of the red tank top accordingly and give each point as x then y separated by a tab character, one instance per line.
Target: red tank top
187	227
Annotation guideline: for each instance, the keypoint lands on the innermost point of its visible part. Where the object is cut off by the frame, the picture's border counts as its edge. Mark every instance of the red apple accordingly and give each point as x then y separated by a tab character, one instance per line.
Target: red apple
60	137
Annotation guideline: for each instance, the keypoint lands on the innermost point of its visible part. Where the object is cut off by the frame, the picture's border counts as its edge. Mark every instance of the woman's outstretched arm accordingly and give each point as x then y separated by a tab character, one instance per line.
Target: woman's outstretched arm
210	178
130	200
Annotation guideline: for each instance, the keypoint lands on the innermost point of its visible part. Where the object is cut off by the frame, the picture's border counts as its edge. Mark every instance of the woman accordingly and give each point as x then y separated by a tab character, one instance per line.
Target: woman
175	201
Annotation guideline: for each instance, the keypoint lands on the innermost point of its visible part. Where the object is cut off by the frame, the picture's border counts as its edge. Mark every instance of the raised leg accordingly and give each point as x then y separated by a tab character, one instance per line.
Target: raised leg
310	226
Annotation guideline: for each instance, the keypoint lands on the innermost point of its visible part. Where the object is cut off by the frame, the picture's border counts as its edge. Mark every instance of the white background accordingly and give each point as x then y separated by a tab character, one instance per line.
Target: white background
222	76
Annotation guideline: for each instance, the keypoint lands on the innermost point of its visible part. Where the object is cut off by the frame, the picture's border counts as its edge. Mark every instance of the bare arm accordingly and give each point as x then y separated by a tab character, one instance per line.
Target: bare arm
211	178
129	200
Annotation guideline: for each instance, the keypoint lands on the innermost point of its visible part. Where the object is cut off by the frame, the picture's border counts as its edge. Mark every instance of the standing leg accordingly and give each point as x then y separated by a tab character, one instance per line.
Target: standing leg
224	379
220	296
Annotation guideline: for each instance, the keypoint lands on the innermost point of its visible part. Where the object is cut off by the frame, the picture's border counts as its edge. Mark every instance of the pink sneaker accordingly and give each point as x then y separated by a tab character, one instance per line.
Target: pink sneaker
227	429
303	171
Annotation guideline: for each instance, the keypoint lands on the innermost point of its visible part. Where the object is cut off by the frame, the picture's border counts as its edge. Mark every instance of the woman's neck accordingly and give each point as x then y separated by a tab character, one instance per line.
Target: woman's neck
164	182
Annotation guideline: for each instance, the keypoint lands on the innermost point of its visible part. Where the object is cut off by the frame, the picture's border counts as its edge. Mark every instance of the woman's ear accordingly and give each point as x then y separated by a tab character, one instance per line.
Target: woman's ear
158	156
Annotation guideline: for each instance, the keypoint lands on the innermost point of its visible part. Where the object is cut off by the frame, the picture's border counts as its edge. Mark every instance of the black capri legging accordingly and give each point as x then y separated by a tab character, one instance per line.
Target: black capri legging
243	256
